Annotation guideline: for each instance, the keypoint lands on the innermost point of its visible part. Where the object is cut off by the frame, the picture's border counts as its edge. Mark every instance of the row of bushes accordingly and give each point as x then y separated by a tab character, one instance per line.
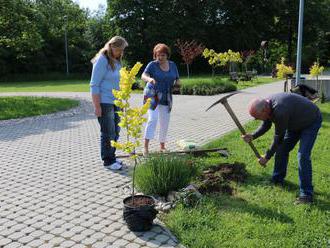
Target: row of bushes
207	87
199	86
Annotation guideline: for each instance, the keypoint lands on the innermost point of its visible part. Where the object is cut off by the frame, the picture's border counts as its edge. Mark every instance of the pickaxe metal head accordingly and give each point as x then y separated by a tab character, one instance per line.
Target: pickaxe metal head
222	100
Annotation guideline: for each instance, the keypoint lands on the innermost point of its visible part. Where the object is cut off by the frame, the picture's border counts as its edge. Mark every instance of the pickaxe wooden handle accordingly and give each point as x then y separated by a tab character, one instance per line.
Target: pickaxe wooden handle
240	127
225	103
222	151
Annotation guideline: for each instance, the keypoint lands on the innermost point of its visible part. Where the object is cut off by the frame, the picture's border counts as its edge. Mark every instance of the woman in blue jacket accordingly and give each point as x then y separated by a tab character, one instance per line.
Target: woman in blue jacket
105	77
160	75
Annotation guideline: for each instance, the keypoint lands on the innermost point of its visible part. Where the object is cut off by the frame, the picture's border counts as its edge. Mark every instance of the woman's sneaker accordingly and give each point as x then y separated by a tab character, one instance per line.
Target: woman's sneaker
119	161
115	166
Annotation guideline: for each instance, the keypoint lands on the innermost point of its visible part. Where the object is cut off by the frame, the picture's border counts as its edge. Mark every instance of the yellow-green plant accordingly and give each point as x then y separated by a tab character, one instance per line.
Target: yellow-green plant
283	70
131	118
315	71
221	59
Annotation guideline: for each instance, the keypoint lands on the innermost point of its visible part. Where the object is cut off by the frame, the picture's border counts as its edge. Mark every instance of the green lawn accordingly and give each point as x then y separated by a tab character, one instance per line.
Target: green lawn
46	86
18	107
83	85
255	82
258	214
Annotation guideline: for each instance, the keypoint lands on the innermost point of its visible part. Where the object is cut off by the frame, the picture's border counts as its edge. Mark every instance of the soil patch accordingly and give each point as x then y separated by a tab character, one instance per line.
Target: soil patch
217	178
140	201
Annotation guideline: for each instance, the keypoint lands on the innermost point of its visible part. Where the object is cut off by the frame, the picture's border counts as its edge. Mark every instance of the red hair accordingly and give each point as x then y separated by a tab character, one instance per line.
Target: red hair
161	48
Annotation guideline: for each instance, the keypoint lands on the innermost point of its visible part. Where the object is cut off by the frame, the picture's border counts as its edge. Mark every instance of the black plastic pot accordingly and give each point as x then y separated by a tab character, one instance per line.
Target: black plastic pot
139	218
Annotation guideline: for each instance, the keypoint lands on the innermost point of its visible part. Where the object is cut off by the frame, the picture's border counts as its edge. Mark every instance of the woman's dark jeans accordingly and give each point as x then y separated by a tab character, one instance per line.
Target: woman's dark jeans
109	131
307	139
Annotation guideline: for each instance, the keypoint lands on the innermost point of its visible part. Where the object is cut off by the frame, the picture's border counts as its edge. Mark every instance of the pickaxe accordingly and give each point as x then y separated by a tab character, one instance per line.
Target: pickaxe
225	103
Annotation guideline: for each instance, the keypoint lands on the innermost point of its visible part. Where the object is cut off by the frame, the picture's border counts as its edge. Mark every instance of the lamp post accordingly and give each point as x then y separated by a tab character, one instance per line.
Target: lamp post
66	44
264	47
299	43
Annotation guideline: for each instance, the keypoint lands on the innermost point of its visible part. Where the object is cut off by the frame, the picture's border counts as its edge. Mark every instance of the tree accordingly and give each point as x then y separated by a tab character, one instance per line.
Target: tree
189	50
316	70
19	35
221	59
52	27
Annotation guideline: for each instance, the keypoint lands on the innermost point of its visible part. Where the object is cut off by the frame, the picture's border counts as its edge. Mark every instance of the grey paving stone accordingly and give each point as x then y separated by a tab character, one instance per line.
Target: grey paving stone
47	237
119	233
97	227
36	243
120	242
171	243
132	245
78	238
79	246
98	236
100	245
68	244
28	229
67	234
57	231
89	241
77	229
87	224
149	235
16	235
46	246
153	244
88	232
10	223
162	238
38	224
110	239
6	232
13	245
139	241
25	239
129	236
4	241
56	241
4	220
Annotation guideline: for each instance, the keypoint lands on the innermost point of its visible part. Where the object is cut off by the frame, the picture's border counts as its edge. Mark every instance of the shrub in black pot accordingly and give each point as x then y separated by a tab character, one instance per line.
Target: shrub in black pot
139	211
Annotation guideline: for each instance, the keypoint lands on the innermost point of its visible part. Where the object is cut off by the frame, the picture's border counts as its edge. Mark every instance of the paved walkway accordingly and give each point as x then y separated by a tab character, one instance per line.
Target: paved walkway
54	191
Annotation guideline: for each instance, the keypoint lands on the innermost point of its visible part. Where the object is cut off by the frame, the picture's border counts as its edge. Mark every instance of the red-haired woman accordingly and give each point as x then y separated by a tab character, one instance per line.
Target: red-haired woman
160	74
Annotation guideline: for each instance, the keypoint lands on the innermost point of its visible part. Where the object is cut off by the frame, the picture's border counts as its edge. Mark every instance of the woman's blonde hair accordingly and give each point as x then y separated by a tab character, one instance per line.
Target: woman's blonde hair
114	42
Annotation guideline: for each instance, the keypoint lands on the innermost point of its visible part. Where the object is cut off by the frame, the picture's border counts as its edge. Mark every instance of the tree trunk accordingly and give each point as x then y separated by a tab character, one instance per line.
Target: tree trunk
188	70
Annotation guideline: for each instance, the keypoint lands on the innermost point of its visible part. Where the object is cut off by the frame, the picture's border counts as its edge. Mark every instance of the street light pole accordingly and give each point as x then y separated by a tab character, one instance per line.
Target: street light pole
66	45
299	43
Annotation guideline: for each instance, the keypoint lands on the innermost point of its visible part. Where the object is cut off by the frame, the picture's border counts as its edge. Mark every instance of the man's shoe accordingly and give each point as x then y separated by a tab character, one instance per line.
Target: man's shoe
306	199
277	183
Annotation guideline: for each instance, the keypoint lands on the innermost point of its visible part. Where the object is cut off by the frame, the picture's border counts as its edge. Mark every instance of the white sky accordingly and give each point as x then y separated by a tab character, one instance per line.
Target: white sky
91	4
